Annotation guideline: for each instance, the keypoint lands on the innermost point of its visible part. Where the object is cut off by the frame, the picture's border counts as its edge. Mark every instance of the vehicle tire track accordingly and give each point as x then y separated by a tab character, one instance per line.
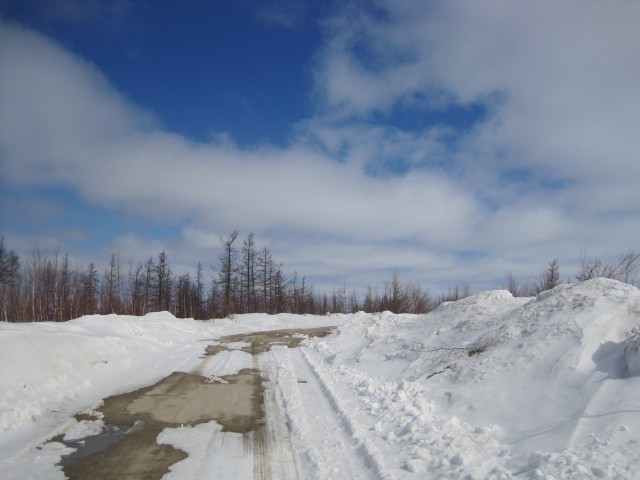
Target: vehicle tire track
303	394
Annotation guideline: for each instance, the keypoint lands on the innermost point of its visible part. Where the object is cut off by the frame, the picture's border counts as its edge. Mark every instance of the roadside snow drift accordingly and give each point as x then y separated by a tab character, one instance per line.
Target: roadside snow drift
493	386
490	386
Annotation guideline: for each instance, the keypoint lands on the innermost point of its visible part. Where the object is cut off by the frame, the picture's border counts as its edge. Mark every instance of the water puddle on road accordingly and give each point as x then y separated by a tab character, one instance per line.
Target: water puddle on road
127	448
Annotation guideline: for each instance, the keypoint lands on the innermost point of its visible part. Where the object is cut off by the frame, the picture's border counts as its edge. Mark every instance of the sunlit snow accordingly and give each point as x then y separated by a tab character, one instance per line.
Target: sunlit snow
490	386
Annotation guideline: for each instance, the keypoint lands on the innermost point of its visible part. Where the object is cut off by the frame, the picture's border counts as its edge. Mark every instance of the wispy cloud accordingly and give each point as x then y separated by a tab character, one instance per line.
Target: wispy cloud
282	13
558	79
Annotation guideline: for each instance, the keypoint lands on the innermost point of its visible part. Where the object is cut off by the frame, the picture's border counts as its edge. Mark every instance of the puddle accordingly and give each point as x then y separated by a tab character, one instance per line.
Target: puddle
127	448
91	444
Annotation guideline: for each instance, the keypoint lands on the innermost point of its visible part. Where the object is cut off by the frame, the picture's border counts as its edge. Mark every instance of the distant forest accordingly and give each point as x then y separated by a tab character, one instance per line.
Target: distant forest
245	279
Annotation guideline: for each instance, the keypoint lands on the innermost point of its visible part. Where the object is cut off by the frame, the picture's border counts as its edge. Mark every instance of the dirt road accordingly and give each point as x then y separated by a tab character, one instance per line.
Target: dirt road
246	404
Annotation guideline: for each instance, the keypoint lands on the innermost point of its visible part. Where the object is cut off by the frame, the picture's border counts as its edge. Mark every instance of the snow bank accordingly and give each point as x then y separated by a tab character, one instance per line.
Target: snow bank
494	386
51	370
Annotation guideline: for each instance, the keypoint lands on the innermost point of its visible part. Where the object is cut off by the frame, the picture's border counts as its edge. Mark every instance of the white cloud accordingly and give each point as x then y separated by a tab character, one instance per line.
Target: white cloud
558	81
66	125
564	74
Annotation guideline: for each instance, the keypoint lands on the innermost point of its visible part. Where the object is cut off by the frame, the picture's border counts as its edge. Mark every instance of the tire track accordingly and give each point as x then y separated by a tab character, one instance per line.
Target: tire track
304	395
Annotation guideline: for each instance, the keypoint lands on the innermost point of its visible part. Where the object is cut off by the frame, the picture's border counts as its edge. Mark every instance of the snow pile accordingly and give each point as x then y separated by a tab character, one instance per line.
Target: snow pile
494	386
49	371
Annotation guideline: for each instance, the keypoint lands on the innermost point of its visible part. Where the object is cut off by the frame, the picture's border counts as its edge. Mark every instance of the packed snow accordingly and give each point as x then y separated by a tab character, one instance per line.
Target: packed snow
490	386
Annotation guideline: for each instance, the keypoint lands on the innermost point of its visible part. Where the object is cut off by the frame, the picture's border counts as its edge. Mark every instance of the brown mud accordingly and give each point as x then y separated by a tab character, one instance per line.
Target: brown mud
263	341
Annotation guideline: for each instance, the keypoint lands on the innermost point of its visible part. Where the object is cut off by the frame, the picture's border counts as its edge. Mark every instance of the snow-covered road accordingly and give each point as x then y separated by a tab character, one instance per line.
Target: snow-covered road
300	430
316	423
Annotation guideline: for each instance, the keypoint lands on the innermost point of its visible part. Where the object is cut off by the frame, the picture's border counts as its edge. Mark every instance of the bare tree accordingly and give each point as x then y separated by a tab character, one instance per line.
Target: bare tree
9	263
199	313
279	290
550	277
63	292
419	300
458	292
511	284
588	268
149	281
395	295
372	302
625	270
627	267
226	262
163	279
248	272
112	282
9	267
136	288
184	302
213	300
265	267
90	290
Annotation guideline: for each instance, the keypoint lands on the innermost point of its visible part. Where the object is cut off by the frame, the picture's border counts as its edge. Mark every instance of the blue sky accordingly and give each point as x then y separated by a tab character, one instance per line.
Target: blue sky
450	141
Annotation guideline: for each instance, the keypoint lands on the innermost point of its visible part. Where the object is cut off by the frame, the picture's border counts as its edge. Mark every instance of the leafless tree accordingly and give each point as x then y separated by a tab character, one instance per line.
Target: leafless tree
511	284
9	263
149	281
112	285
248	272
9	266
625	270
226	269
265	267
549	278
199	313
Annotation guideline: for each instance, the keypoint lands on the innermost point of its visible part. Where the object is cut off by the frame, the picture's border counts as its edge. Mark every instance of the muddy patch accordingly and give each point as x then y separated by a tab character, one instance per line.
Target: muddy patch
259	342
92	443
129	448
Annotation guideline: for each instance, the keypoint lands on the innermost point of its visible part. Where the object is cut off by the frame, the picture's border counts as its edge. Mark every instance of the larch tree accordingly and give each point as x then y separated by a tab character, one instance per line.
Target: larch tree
163	279
248	272
199	313
226	272
265	266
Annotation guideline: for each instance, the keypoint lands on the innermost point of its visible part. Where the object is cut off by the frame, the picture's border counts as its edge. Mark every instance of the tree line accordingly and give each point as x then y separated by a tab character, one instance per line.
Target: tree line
46	287
244	279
